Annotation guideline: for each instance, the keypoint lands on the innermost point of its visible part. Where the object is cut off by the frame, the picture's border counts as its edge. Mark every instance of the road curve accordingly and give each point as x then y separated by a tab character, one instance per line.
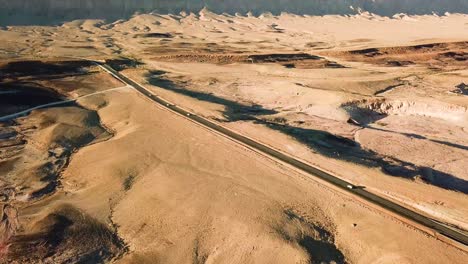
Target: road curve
29	110
448	231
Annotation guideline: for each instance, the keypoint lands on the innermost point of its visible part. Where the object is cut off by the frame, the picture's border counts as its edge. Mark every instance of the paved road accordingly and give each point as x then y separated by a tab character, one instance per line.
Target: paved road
441	228
29	110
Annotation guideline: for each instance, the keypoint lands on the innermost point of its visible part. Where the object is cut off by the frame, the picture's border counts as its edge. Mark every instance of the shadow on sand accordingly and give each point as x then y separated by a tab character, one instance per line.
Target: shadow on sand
320	247
234	111
319	141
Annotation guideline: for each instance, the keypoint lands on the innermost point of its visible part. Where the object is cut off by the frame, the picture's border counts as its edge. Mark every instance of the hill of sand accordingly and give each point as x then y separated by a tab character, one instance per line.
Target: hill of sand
112	177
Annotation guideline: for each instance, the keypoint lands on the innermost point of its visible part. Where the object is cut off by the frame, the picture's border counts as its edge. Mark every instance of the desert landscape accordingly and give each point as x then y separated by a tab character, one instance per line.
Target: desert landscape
190	137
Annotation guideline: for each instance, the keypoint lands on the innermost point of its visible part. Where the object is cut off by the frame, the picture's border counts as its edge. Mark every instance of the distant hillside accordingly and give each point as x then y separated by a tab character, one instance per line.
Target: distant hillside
56	11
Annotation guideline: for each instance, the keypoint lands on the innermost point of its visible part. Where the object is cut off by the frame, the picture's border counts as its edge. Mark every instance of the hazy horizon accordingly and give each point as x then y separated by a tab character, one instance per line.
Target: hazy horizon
40	12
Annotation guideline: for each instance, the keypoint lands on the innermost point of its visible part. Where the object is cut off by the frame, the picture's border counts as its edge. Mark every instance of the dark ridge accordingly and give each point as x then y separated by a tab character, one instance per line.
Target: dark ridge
367	52
462	88
48	189
388	88
429	46
153	35
396	63
123	63
333	64
265	58
458	56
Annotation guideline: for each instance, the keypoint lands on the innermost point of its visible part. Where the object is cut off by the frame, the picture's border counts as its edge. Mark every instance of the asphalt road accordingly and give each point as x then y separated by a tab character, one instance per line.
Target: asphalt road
448	231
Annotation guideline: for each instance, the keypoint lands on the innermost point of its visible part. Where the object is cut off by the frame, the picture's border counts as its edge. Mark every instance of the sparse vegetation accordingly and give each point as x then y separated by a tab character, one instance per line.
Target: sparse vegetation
128	182
129	176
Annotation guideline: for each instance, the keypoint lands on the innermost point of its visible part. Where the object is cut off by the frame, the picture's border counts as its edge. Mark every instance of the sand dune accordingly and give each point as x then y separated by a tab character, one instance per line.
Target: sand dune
378	101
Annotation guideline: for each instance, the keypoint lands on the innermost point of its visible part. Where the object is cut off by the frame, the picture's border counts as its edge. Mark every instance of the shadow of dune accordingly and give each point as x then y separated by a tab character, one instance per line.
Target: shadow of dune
412	135
32	68
340	148
234	111
320	246
153	35
66	235
264	58
19	96
450	144
320	252
322	142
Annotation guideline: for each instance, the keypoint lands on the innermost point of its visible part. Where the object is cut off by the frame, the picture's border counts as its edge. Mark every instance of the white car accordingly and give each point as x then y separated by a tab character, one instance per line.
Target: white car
349	186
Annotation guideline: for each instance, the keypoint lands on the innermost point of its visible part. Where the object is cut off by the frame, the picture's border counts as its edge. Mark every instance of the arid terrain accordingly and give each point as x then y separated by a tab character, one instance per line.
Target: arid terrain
107	175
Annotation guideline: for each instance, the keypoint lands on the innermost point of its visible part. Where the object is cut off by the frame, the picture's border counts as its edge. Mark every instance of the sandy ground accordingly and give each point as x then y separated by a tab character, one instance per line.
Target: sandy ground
358	96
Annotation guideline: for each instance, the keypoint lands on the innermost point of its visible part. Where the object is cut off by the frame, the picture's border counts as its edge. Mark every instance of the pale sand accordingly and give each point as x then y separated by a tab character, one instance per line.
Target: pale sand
228	208
175	192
